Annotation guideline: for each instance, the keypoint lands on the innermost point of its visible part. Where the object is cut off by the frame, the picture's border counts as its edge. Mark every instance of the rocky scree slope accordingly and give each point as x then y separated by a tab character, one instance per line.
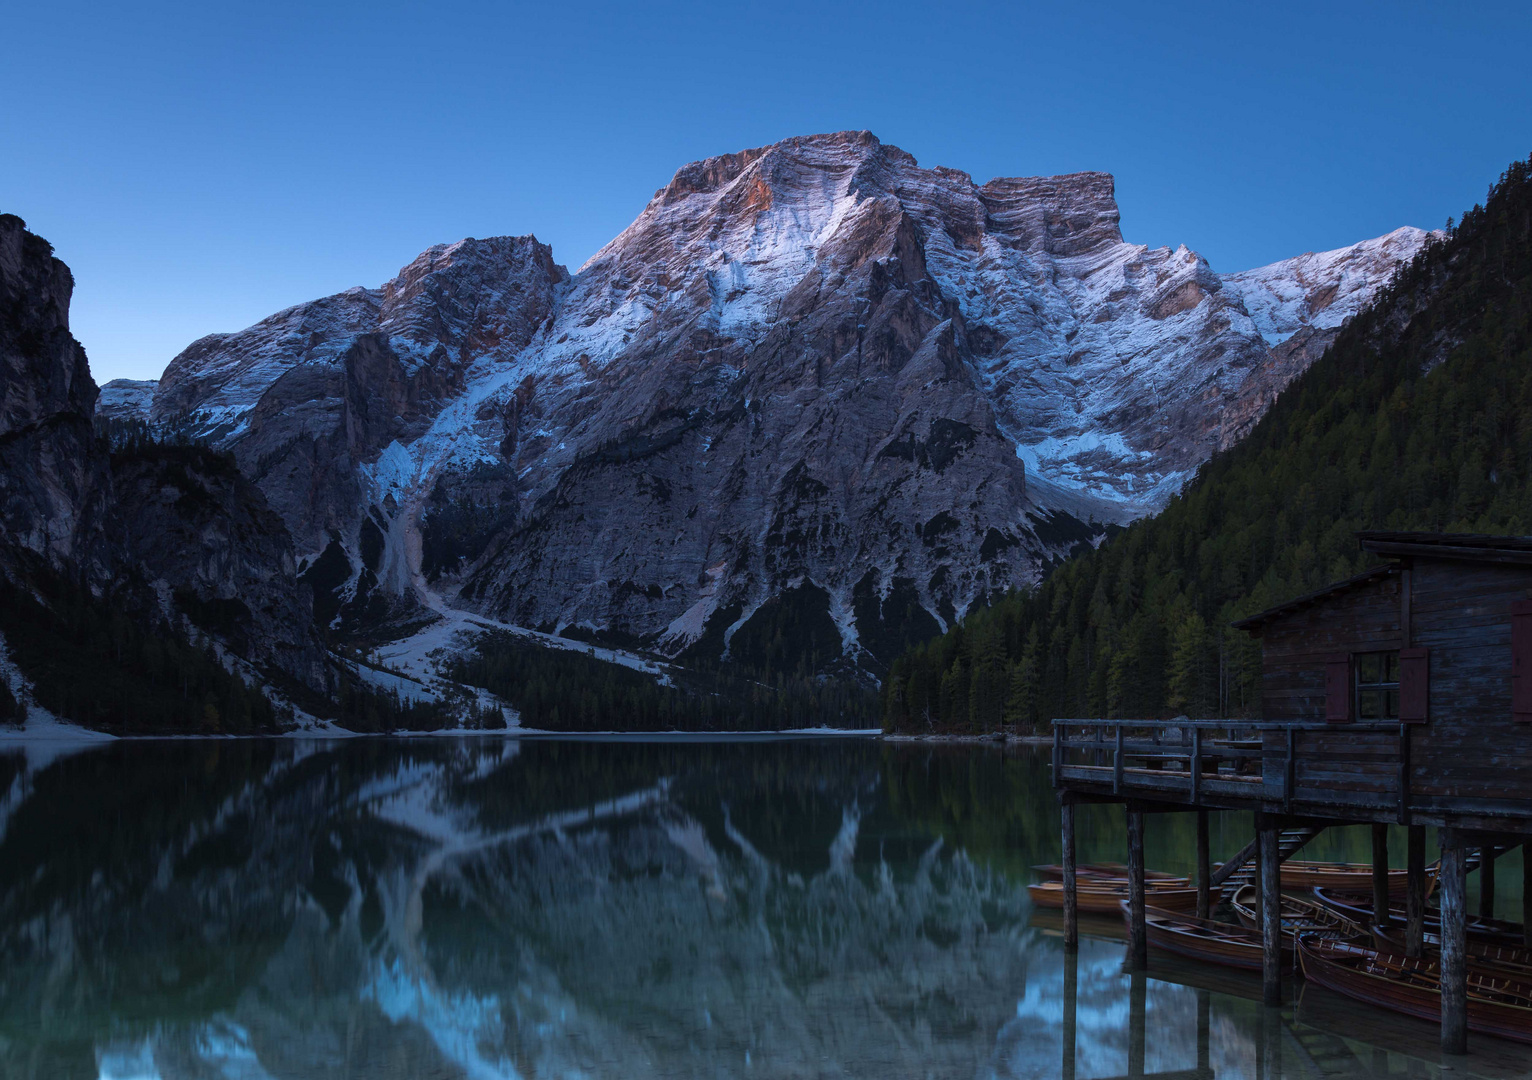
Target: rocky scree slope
171	536
812	384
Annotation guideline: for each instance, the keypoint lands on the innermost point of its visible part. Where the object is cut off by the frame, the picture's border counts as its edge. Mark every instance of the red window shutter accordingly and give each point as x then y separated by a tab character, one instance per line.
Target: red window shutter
1338	693
1521	661
1414	685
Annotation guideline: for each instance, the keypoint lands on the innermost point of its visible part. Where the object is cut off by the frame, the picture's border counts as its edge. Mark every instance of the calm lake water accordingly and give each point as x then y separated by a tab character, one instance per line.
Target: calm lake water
564	908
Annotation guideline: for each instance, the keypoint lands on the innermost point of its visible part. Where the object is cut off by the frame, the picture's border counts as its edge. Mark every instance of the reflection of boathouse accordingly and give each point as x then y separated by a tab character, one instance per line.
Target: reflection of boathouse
1400	696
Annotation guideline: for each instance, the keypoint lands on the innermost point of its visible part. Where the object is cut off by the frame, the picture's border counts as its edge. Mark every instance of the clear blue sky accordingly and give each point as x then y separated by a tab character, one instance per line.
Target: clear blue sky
201	166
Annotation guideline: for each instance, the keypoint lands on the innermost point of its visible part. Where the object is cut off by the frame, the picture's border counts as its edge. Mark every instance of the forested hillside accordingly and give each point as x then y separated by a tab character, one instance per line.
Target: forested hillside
1418	417
559	690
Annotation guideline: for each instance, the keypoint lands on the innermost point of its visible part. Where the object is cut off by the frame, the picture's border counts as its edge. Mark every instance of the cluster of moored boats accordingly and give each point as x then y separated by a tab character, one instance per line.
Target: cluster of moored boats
1329	934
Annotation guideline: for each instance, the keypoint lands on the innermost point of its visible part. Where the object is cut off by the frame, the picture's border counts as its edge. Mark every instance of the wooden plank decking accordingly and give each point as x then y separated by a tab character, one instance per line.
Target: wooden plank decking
1356	772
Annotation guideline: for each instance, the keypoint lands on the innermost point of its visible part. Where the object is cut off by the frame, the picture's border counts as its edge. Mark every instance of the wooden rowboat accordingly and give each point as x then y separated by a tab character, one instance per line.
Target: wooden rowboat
1204	939
1102	896
1299	916
1358	908
1110	870
1497	1005
1515	961
1344	877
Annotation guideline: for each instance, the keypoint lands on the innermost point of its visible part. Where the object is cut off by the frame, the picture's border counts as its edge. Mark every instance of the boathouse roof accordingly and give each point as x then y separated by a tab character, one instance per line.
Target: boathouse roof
1473	547
1469	547
1307	599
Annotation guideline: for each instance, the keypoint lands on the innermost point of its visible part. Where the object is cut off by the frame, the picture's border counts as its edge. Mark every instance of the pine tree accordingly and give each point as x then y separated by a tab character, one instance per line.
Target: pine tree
1188	682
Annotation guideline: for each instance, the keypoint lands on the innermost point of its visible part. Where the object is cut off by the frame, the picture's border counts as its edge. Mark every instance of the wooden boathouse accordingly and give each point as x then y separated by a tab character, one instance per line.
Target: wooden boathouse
1400	696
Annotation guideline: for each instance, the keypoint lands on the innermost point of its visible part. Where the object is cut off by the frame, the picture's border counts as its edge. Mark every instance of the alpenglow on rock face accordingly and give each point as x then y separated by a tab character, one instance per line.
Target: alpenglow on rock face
811	382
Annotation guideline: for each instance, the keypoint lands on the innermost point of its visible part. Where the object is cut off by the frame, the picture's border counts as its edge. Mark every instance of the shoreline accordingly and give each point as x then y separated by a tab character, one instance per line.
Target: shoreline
998	739
55	731
52	730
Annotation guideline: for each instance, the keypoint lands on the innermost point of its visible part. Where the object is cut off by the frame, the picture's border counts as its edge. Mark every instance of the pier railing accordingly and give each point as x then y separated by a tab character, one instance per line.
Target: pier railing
1238	763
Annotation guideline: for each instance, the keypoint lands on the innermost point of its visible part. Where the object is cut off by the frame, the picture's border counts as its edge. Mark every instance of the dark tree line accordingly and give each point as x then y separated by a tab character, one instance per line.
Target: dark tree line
570	690
1419	416
112	660
91	661
10	708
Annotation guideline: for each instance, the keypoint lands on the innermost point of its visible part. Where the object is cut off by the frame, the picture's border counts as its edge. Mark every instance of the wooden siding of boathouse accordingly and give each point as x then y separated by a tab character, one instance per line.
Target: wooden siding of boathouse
1468	761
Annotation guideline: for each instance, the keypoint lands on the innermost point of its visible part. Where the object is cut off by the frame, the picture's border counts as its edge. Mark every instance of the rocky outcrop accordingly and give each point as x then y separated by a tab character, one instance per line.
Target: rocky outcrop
1298	306
126	399
53	487
812	381
202	535
316	402
158	531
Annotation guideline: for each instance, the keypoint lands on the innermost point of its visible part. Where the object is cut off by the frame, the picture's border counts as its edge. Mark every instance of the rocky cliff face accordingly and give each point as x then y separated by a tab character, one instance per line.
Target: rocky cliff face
167	532
188	523
810	382
53	489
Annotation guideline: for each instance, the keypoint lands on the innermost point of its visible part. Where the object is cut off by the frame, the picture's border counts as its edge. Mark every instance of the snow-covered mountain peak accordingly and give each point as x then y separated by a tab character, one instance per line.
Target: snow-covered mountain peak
812	373
1323	289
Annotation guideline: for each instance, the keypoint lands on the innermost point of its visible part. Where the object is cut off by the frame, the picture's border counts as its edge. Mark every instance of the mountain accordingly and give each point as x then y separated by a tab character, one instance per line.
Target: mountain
52	487
1419	417
810	407
144	586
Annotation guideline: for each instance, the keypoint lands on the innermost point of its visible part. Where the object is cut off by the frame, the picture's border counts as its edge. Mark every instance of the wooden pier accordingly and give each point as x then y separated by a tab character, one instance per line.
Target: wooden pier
1402	696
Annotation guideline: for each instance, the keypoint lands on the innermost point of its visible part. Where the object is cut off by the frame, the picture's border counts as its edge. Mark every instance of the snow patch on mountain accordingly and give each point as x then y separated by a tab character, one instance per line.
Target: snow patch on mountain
126	399
1322	289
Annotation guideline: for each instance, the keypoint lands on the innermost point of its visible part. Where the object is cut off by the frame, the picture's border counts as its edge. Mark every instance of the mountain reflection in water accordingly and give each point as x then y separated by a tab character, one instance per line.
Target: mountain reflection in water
492	909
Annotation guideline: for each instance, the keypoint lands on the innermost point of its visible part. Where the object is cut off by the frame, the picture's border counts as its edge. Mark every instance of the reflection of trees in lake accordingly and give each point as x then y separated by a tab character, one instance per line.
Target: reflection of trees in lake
466	908
1000	807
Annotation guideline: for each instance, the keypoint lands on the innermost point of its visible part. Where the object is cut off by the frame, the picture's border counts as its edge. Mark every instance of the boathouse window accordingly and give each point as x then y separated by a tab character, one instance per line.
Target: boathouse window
1377	685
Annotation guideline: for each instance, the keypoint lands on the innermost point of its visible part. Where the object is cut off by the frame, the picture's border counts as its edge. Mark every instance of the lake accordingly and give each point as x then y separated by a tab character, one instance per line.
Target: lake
495	908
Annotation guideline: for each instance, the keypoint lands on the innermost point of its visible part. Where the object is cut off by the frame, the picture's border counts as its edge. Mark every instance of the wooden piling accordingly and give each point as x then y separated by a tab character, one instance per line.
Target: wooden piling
1255	857
1452	886
1138	937
1526	894
1138	994
1271	917
1071	905
1204	868
1380	916
1260	1044
1204	1034
1071	994
1487	882
1415	897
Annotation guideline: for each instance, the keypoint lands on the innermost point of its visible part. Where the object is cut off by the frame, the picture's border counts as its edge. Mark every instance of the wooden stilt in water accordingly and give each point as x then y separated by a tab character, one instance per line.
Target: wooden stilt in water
1487	882
1256	881
1138	937
1262	1039
1204	867
1415	897
1071	905
1271	917
1380	915
1071	993
1452	886
1204	1033
1526	893
1138	993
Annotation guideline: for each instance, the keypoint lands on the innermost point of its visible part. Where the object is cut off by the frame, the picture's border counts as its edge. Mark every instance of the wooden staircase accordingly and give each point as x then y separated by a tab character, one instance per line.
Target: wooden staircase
1243	869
